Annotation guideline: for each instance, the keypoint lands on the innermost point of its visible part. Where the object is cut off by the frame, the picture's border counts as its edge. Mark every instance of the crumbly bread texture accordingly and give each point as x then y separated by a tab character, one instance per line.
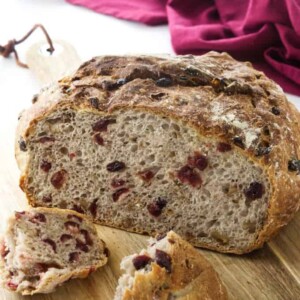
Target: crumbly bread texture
170	268
44	247
206	146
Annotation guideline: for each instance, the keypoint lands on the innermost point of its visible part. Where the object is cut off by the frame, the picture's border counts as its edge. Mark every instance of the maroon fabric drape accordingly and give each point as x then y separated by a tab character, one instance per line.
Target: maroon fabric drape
265	32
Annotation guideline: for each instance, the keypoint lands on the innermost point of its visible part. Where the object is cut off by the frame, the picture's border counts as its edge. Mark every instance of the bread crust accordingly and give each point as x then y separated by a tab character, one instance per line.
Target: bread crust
204	89
57	278
191	278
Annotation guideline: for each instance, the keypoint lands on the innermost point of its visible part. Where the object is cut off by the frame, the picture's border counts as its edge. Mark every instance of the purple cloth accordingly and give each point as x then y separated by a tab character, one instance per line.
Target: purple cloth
265	32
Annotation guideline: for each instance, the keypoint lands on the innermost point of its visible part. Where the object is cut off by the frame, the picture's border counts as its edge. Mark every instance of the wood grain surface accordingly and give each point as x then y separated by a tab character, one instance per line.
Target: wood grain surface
272	272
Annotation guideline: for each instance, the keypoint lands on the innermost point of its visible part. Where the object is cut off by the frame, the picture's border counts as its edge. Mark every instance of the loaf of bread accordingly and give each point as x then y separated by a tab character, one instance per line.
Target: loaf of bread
170	268
44	247
206	146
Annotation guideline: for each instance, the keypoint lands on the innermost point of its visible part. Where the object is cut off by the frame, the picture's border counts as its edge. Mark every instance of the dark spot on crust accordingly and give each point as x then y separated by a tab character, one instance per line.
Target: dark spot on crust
141	261
164	82
94	101
157	96
254	191
22	145
155	208
35	98
115	166
163	259
106	252
294	165
263	148
275	110
238	141
121	81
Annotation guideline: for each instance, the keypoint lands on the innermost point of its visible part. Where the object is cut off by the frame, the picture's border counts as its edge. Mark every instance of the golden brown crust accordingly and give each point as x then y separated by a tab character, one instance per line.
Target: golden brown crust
213	93
191	277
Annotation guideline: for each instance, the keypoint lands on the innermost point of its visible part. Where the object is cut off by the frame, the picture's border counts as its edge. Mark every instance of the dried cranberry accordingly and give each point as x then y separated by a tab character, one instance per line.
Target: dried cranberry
87	237
164	82
146	175
275	111
38	218
65	237
117	182
294	165
94	102
3	250
81	246
46	139
59	178
47	199
188	175
74	257
22	145
98	139
45	166
12	286
163	259
102	124
115	166
116	195
78	208
77	218
238	141
198	161
72	227
223	147
72	155
155	208
254	191
51	243
93	208
19	214
141	261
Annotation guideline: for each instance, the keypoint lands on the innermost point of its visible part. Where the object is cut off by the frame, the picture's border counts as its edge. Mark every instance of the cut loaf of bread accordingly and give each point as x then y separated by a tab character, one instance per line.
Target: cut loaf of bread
206	146
170	268
44	247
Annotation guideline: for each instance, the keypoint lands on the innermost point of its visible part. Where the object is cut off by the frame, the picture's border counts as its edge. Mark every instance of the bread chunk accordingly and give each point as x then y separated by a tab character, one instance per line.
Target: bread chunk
44	247
170	268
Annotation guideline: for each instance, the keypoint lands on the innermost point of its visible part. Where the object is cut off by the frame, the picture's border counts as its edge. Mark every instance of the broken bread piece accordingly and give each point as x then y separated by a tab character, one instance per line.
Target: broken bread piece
170	268
42	248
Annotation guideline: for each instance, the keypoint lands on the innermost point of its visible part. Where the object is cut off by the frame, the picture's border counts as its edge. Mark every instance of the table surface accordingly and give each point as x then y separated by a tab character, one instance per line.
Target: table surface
270	273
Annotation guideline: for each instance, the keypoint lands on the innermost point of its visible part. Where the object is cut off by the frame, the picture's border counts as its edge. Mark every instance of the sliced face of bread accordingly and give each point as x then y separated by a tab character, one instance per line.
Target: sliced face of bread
150	144
42	248
170	268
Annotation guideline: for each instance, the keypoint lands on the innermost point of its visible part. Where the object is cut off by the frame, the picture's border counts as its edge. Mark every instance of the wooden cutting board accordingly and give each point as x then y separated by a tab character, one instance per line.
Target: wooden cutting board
269	273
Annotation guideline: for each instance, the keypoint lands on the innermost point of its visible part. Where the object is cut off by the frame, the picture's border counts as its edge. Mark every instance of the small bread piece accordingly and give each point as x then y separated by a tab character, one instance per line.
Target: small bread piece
170	268
43	248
